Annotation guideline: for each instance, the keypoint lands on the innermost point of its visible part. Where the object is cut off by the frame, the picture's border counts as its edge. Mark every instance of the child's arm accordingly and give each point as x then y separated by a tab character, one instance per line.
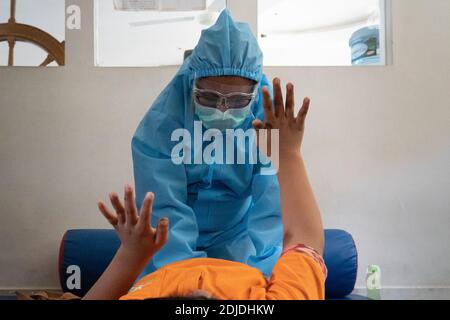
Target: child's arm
300	212
139	242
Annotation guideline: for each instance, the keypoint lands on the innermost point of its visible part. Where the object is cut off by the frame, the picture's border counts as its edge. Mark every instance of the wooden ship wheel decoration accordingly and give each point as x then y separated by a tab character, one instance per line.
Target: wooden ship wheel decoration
12	32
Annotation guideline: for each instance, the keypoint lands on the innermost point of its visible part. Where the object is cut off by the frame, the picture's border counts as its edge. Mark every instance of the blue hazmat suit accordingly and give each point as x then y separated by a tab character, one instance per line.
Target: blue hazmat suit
225	211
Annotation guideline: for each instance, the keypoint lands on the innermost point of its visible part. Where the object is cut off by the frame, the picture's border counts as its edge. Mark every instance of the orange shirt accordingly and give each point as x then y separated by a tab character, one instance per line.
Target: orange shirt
296	276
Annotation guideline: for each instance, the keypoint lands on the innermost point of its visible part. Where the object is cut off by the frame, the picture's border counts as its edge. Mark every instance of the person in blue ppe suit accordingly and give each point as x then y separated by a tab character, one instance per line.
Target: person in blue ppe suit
226	211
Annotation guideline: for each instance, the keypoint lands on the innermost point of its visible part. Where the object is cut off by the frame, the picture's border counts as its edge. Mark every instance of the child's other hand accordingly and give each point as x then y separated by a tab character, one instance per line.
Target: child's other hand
281	116
138	238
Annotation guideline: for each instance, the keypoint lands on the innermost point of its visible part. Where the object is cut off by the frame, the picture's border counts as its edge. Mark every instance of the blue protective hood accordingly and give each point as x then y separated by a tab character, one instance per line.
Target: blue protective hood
221	211
228	48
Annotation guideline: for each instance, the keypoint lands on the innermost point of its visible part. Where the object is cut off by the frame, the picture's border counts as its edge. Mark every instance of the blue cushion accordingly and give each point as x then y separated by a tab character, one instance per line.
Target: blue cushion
92	250
341	259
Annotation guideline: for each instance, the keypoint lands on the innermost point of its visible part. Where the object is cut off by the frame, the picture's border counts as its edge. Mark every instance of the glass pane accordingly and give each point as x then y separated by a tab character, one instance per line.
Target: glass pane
48	16
150	32
321	32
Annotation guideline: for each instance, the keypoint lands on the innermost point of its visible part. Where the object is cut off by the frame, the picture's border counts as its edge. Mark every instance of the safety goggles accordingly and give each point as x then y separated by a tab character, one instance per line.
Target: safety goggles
213	99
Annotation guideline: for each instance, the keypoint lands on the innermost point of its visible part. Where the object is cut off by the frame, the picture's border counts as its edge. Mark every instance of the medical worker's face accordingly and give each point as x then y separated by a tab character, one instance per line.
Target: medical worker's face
225	85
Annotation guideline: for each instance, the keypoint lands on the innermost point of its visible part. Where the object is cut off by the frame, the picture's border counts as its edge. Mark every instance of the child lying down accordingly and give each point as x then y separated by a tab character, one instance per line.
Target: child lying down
299	273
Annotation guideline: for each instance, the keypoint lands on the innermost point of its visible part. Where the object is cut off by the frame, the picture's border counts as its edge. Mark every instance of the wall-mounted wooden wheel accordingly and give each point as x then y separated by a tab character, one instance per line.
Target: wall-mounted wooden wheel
13	32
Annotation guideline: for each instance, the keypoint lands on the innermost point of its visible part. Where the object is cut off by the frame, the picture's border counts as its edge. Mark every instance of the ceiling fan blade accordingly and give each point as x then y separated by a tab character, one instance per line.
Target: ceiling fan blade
205	19
135	5
160	5
160	21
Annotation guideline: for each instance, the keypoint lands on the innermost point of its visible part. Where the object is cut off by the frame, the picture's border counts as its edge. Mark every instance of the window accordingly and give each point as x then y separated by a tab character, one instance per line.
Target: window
290	32
32	33
150	32
322	32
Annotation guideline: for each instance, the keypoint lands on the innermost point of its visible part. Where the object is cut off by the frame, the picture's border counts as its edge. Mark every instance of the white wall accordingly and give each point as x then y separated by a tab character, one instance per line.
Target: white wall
377	149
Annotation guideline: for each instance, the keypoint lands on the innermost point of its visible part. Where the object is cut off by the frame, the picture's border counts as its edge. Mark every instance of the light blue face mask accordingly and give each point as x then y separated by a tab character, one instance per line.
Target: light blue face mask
213	118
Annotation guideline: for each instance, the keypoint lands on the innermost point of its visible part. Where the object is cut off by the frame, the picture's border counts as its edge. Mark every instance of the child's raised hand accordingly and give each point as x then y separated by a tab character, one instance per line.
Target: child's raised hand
280	115
135	232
